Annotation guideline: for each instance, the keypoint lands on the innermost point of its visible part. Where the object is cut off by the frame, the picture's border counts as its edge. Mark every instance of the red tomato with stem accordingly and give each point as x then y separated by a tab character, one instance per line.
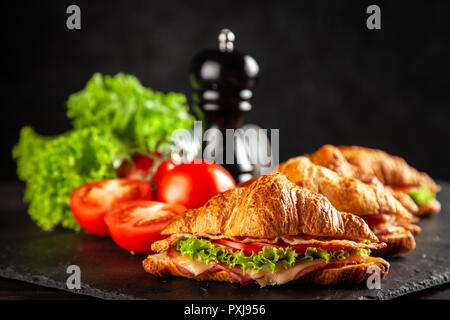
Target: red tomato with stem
192	184
142	167
135	225
90	202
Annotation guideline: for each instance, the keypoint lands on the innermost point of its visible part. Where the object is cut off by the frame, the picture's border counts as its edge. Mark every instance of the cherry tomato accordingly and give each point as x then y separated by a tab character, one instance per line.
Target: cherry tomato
143	165
192	184
91	201
139	168
135	225
162	170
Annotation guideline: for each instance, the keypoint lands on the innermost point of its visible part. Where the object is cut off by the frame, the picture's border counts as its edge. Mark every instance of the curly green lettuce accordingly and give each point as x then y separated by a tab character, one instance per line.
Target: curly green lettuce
362	251
140	117
112	117
422	195
206	251
53	167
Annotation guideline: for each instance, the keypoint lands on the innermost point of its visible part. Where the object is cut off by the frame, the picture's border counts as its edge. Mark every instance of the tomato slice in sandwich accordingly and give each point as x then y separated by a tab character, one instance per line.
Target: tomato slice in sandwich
134	226
403	189
374	220
248	248
90	202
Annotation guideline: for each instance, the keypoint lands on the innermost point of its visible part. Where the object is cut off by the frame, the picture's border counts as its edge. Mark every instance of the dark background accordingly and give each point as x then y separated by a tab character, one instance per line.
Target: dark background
325	78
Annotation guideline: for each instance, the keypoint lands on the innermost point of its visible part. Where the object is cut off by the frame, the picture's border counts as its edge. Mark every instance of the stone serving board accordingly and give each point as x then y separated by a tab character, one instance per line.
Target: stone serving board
107	271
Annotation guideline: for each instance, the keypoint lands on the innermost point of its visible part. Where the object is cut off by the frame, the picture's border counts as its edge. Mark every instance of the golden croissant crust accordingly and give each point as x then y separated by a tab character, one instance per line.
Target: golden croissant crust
332	158
271	207
390	170
345	193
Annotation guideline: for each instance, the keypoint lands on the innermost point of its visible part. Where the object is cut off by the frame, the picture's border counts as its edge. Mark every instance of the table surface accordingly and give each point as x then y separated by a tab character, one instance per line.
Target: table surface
36	257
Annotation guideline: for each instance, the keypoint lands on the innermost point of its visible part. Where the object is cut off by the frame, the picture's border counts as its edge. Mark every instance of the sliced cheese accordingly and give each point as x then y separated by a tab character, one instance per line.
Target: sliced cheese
194	266
281	275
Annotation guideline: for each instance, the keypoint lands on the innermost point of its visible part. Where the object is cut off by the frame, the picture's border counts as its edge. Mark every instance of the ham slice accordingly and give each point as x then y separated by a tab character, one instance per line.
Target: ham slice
237	274
282	276
189	266
384	229
197	267
297	240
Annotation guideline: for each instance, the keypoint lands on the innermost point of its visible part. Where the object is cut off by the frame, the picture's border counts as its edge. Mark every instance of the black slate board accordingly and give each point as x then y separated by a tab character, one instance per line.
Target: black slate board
107	271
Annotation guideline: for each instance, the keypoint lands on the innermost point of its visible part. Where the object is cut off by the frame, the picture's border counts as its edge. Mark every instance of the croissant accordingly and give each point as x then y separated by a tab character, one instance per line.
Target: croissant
390	170
371	201
331	157
381	169
270	214
345	193
395	172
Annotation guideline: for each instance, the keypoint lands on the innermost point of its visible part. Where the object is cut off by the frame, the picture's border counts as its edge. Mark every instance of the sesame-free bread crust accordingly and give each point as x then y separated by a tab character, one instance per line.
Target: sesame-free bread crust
345	193
271	207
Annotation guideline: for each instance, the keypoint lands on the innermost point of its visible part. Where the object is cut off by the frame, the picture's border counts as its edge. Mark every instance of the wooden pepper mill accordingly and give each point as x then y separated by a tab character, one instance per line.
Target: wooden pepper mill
222	80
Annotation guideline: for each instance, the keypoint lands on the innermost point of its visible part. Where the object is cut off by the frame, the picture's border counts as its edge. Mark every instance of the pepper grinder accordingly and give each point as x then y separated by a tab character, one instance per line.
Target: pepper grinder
222	81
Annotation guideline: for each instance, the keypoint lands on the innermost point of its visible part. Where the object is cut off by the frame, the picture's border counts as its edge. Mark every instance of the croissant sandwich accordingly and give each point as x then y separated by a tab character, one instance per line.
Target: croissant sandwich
395	172
415	190
271	232
389	220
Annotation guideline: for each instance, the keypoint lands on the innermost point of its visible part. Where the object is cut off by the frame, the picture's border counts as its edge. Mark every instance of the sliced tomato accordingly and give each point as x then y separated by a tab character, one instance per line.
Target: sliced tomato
248	248
90	202
264	244
237	246
135	225
373	220
403	189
